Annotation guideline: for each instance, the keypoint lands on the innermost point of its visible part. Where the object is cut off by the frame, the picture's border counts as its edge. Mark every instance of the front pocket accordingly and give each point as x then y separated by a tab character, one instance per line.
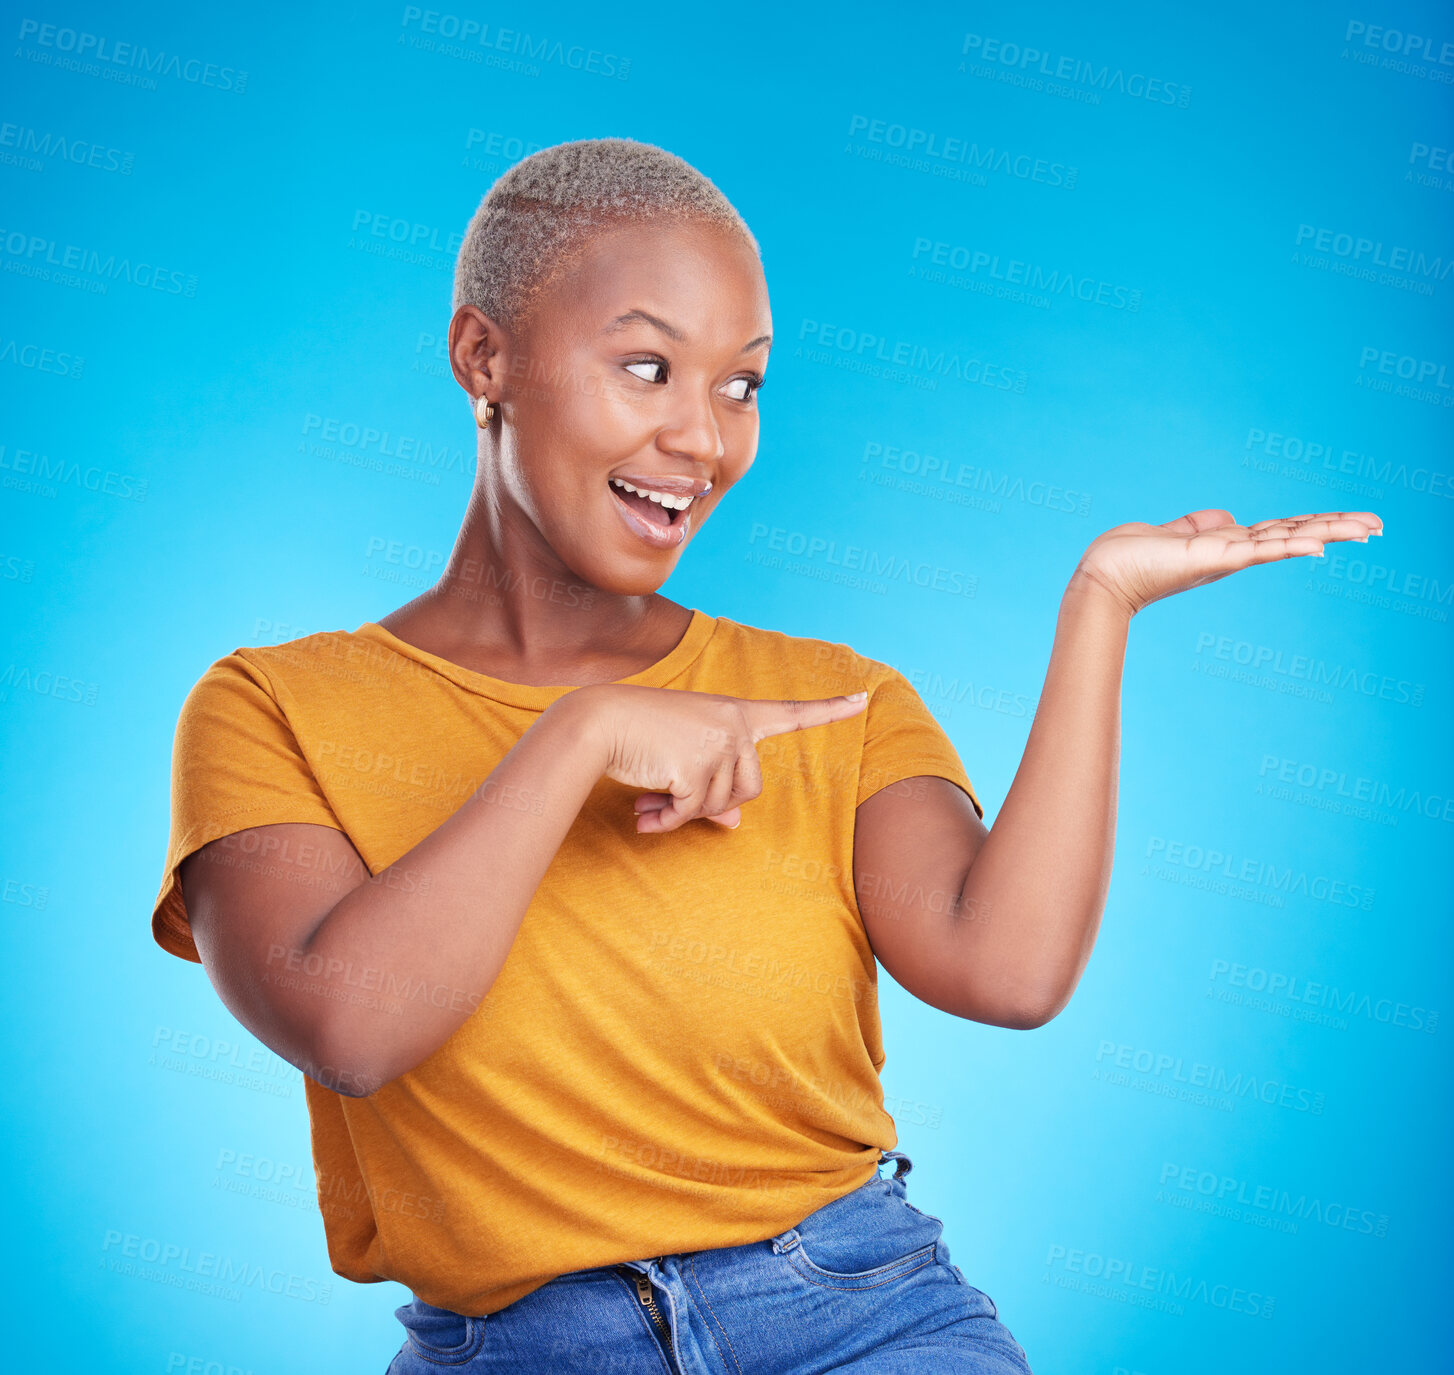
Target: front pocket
873	1278
440	1336
870	1237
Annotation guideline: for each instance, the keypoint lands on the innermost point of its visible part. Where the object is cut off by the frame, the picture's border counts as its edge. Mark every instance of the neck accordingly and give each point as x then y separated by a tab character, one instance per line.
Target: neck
506	592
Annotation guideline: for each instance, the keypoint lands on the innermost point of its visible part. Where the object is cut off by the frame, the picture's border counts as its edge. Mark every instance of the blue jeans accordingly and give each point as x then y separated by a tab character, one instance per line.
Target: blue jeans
864	1284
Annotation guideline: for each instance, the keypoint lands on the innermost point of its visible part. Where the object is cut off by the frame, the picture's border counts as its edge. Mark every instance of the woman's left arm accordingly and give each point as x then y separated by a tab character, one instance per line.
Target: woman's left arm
997	925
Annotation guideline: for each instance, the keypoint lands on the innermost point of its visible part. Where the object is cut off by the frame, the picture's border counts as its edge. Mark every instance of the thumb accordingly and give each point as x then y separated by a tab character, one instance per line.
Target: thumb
731	819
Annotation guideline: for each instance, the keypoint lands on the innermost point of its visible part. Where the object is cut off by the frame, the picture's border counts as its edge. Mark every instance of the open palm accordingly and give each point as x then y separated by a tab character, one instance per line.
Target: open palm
1139	564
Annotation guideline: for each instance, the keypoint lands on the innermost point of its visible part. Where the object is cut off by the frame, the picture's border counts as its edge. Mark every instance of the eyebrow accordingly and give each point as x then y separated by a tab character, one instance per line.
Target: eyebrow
671	332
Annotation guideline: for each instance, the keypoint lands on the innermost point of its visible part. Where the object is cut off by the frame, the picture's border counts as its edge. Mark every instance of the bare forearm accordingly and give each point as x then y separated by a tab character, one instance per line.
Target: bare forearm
430	933
1044	871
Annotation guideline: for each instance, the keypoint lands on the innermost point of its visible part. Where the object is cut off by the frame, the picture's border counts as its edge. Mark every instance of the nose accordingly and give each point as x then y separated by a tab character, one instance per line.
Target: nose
691	429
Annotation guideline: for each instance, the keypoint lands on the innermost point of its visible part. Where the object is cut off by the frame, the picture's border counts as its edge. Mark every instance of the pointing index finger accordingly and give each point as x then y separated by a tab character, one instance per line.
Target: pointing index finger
772	716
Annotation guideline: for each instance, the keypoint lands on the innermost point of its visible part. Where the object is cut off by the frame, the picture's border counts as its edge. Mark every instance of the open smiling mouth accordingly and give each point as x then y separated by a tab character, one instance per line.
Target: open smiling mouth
660	514
658	508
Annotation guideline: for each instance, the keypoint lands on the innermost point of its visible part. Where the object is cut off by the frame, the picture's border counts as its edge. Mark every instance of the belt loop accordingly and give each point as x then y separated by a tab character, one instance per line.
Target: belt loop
904	1163
785	1241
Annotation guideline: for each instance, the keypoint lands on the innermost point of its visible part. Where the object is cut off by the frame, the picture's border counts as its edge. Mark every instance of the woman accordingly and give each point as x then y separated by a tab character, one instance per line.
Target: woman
567	898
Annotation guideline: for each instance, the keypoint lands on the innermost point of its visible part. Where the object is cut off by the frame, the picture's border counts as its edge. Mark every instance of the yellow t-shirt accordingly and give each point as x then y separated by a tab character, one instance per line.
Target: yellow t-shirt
683	1047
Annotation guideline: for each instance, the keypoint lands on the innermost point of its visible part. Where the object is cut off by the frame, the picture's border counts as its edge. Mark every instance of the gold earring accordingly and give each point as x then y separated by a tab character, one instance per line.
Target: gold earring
484	411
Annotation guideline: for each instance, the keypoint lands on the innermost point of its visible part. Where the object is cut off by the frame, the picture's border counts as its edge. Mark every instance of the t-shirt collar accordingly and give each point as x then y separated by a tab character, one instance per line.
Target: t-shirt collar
538	697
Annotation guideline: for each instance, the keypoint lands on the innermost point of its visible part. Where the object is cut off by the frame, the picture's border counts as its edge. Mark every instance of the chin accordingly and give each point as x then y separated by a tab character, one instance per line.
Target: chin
620	581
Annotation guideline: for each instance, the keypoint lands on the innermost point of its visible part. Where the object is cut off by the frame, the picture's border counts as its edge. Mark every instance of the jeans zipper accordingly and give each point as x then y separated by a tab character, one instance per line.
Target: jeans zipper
648	1302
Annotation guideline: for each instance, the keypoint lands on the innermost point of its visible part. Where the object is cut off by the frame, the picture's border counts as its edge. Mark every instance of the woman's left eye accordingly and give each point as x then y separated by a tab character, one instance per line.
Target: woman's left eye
747	386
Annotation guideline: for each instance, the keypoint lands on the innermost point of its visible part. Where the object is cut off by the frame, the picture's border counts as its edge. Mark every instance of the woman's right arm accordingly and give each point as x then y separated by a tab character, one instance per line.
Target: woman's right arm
318	959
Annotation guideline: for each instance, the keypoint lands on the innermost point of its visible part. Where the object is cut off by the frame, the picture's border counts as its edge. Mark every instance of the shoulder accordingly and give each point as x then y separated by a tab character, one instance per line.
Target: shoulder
303	666
811	666
323	654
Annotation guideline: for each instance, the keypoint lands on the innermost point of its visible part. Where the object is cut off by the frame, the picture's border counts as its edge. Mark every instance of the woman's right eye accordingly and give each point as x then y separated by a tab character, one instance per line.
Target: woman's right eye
645	363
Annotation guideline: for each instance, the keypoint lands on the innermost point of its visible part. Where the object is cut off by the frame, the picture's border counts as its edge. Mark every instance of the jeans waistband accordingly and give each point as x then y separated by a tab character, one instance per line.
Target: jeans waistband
786	1240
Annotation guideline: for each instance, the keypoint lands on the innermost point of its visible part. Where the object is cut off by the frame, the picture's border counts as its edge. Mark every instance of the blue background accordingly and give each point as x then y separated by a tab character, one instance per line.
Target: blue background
164	502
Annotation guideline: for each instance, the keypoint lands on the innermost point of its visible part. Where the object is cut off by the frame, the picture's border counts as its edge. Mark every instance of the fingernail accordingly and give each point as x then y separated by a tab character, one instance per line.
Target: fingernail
857	696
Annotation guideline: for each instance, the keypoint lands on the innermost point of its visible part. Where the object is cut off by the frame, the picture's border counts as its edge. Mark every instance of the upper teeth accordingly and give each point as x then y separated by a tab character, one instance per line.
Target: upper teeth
675	503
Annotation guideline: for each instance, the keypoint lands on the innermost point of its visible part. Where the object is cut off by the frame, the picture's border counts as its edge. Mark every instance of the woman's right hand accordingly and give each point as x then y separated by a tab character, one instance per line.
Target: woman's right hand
693	752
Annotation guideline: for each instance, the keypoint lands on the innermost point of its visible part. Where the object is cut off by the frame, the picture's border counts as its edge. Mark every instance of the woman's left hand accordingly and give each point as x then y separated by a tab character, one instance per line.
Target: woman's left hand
1139	564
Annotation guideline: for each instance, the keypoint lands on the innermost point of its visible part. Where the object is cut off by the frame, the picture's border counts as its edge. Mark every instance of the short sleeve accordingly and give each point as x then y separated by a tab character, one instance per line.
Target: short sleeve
902	739
235	763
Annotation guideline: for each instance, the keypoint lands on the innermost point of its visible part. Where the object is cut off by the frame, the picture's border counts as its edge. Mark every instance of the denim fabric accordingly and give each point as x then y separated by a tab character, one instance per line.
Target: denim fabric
864	1285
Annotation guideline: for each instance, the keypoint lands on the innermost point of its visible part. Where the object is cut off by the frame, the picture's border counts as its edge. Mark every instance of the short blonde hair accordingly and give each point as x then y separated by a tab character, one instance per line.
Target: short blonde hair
539	215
